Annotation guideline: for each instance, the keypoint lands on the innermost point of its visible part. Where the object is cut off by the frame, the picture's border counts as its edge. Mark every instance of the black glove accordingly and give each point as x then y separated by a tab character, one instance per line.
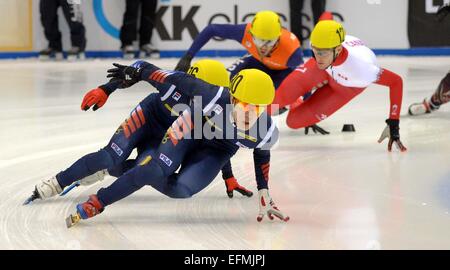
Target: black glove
316	129
392	132
443	12
111	86
127	74
184	63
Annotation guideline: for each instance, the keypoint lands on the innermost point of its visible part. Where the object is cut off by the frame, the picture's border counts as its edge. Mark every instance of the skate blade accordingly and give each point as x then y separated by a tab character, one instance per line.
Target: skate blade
28	201
33	197
72	220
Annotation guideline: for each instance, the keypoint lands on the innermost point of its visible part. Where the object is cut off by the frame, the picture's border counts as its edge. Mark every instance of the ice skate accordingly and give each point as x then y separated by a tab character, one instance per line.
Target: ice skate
50	53
88	209
45	189
75	53
419	108
148	50
128	52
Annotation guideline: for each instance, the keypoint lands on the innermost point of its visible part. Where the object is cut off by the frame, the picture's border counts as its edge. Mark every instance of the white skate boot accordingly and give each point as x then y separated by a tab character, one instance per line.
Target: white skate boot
426	106
45	189
419	108
48	188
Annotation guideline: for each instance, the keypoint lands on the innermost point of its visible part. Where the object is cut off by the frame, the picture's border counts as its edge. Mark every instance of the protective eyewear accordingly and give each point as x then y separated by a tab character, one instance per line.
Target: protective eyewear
247	107
263	42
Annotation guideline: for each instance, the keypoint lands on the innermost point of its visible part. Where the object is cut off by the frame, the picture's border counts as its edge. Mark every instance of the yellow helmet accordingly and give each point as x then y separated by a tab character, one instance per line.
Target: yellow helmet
252	86
266	25
327	34
210	71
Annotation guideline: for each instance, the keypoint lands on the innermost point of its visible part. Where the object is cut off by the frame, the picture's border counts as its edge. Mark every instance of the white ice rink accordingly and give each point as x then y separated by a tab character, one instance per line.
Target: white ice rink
341	191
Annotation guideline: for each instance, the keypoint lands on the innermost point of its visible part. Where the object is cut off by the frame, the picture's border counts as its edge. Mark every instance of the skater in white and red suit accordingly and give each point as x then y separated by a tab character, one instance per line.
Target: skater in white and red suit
342	68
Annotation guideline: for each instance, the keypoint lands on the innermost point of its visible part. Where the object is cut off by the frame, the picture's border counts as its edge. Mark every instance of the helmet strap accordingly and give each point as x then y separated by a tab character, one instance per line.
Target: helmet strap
335	56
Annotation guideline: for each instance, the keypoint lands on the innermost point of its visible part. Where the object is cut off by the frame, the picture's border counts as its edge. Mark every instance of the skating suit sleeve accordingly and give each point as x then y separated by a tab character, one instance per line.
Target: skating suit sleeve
168	81
261	160
224	31
169	99
265	139
395	84
110	86
261	154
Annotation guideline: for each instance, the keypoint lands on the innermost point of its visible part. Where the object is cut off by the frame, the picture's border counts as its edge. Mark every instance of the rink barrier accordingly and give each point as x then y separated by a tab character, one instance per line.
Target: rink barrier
237	53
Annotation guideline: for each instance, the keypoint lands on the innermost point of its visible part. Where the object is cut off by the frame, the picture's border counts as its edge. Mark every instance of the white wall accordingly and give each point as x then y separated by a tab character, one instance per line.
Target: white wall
380	23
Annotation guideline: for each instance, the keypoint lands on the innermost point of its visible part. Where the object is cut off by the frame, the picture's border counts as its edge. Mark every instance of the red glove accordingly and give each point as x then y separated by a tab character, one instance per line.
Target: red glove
96	97
233	185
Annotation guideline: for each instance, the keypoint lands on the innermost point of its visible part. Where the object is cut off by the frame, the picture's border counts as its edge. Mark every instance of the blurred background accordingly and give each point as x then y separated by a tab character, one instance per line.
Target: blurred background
398	27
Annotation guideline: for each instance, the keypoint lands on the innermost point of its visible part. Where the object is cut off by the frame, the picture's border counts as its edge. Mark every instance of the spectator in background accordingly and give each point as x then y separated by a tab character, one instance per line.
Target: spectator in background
128	32
296	7
74	17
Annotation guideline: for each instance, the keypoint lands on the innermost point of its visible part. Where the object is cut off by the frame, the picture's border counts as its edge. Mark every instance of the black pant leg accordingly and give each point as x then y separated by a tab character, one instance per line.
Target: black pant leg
148	11
128	31
295	7
74	17
49	20
318	7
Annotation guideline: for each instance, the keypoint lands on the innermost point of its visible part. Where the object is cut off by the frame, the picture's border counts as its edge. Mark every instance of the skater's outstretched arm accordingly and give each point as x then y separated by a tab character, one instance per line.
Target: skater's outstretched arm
261	159
160	79
224	31
266	204
97	97
395	84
